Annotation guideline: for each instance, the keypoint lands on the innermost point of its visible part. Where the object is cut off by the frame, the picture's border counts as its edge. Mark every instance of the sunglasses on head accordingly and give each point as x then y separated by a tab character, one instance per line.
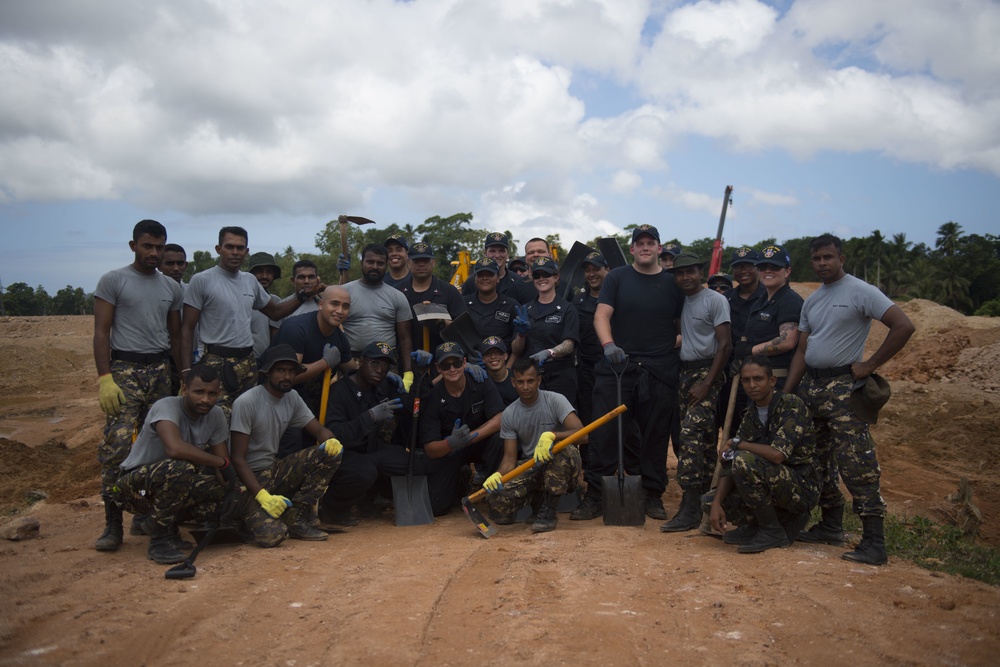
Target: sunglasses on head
450	363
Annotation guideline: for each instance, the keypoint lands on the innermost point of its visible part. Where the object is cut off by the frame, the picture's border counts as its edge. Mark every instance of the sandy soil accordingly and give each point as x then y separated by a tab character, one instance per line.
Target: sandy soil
441	595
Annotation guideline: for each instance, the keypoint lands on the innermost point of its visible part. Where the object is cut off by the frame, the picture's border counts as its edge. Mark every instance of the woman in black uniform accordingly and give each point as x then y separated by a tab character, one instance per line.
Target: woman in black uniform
554	332
772	329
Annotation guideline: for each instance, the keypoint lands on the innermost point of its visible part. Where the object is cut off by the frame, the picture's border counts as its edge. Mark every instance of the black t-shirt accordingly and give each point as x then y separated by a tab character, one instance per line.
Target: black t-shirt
646	310
739	309
392	282
522	291
438	409
439	292
590	346
506	389
495	318
767	316
302	332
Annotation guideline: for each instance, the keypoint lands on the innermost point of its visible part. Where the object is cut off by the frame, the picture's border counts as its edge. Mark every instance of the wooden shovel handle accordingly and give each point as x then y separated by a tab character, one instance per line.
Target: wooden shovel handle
565	442
324	399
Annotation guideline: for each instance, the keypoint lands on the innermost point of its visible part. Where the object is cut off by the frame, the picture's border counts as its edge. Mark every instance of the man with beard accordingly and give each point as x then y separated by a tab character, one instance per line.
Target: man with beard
289	488
379	312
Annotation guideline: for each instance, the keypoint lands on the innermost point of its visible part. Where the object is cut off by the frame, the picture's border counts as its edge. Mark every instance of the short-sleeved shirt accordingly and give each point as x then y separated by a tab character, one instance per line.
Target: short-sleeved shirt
766	318
225	300
302	332
526	423
265	418
590	345
551	324
375	310
439	292
788	428
646	310
495	318
203	432
261	326
310	305
392	282
508	394
837	317
702	312
478	403
739	309
141	303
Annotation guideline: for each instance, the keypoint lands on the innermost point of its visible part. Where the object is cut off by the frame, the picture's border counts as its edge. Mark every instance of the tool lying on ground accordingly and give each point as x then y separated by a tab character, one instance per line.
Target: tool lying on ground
479	521
410	495
187	570
621	494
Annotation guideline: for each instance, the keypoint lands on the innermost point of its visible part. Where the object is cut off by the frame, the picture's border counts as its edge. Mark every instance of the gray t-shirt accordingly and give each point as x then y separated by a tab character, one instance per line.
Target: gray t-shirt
375	310
526	423
141	304
260	327
702	313
838	317
202	432
264	418
307	306
225	300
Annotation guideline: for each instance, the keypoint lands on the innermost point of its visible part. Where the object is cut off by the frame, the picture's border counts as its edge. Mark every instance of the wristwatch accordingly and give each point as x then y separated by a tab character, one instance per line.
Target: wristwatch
735	446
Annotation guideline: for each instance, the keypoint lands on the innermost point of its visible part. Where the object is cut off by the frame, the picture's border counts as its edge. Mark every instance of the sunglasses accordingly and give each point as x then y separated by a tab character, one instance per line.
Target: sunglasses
538	275
719	287
769	267
520	269
450	364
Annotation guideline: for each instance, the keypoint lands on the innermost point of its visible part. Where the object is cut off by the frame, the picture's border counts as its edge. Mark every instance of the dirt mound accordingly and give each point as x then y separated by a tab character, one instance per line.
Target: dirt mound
62	473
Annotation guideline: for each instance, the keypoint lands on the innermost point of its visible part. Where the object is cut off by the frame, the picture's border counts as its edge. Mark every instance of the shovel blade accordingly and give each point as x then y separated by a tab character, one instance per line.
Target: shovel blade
623	500
431	311
478	520
412	501
185	570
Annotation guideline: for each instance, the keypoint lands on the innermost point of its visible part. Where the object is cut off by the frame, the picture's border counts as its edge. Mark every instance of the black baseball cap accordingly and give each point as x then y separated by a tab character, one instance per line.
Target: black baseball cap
672	249
493	343
545	265
774	254
379	351
496	238
448	349
421	251
596	259
485	264
744	255
645	229
396	238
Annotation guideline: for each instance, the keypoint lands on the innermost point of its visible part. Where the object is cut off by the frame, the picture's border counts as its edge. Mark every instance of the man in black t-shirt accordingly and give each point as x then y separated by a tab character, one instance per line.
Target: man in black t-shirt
637	323
421	286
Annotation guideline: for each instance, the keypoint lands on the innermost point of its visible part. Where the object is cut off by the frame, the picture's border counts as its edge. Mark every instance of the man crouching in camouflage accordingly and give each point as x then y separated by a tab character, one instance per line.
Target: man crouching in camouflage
770	479
163	476
282	493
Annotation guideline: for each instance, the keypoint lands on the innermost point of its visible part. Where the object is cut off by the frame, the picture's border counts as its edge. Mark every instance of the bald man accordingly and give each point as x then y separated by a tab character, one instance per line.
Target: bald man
319	344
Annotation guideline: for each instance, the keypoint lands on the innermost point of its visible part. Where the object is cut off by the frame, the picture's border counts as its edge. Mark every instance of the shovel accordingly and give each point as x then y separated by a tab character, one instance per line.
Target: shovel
476	517
622	495
462	331
187	570
410	495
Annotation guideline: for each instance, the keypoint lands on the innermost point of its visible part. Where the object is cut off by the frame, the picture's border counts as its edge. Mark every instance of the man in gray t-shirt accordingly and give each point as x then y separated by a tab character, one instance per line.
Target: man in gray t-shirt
828	365
221	300
529	427
163	478
706	342
296	482
137	321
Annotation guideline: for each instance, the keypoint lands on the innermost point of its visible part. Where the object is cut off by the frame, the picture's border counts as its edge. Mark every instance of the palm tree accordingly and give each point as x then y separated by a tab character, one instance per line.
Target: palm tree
947	240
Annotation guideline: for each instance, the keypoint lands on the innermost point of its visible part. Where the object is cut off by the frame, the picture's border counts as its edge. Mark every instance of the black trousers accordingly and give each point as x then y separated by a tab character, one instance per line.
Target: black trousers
444	475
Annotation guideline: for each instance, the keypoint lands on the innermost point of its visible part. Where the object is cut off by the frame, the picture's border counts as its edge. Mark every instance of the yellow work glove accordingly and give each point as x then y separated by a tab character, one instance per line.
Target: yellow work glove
332	447
273	505
407	381
109	395
493	483
543	450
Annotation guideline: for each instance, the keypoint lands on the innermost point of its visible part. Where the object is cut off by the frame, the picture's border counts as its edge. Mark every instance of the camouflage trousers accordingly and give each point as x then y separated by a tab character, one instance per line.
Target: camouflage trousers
302	478
170	491
843	445
142	385
557	477
699	436
238	376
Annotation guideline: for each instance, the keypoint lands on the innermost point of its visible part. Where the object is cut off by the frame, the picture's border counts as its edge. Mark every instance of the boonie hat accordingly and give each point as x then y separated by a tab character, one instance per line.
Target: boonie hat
448	349
273	355
870	397
259	259
421	251
496	238
396	238
493	343
596	259
645	229
744	254
545	265
379	351
485	264
774	254
686	259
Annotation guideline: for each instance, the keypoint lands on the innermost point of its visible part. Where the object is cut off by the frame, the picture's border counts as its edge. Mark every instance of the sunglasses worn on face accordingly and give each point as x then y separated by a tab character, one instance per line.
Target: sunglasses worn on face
538	275
378	364
520	269
719	287
449	364
769	267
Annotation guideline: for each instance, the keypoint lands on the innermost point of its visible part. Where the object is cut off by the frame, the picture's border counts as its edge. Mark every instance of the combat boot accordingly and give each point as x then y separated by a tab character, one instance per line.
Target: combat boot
829	530
793	523
653	506
770	534
871	550
589	508
545	518
138	527
161	547
299	527
688	515
114	531
741	534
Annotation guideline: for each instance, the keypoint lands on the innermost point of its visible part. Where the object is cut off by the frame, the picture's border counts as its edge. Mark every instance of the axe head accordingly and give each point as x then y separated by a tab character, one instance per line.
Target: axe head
356	219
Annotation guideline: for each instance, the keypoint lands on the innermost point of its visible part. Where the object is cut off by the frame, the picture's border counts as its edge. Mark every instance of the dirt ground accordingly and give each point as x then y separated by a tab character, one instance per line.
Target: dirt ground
585	594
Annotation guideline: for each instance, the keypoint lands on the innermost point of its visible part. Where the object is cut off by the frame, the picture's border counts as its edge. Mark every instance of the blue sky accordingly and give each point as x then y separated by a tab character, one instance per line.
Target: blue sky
570	117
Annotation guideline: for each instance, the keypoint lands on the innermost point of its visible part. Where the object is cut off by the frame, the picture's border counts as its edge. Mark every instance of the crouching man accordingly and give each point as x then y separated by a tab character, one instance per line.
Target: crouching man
164	475
529	427
770	477
282	494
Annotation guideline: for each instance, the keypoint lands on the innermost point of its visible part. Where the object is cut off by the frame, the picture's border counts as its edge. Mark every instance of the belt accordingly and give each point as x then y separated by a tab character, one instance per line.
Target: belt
696	364
779	372
230	352
139	357
817	373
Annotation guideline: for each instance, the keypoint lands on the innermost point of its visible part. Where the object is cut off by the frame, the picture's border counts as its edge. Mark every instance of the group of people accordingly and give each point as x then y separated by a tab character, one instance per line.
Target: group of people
227	404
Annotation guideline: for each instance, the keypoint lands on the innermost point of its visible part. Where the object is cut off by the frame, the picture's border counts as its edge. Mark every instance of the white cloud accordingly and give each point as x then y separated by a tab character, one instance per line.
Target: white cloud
770	198
624	182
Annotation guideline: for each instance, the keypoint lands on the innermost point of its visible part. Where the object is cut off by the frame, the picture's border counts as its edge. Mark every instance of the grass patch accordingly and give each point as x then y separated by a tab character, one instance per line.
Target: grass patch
935	547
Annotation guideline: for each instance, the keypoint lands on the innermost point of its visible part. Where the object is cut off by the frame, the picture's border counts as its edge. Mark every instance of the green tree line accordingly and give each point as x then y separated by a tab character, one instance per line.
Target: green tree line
961	271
